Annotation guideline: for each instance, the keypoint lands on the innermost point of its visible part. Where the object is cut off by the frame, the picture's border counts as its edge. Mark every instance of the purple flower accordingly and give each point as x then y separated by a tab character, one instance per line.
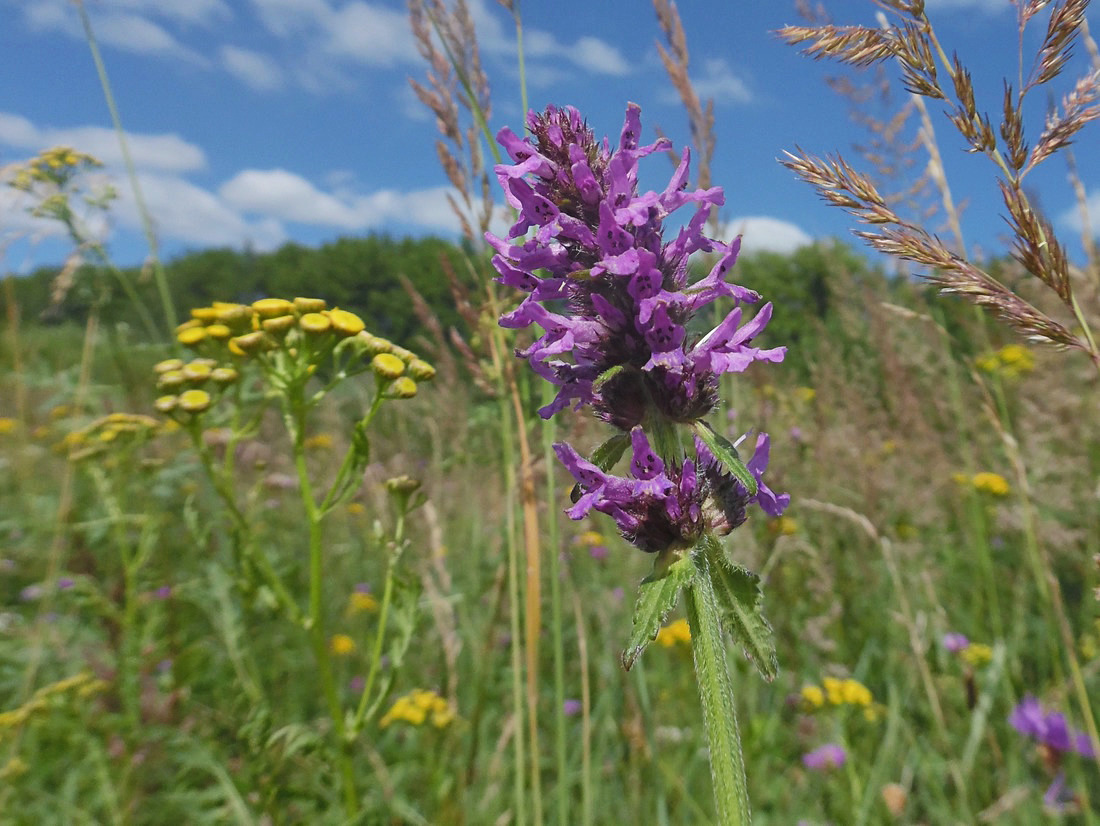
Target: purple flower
955	642
571	708
163	592
1049	728
823	758
31	593
65	583
615	304
600	246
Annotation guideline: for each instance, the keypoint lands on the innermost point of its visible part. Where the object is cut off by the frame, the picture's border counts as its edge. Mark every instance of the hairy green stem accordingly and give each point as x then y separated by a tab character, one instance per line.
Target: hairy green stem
727	765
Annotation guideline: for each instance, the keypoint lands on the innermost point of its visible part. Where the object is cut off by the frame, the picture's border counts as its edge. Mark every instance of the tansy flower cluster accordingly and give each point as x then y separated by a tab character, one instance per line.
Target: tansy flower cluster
110	432
417	707
288	340
984	482
838	692
1010	361
674	633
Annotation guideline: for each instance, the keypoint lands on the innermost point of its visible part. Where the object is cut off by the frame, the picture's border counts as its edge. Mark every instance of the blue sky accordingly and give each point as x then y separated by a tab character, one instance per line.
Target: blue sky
255	122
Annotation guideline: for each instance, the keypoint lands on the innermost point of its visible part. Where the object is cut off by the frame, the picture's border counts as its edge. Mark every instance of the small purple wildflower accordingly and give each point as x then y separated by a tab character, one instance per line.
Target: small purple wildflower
65	583
823	758
598	552
955	642
357	684
362	588
163	592
571	708
1049	728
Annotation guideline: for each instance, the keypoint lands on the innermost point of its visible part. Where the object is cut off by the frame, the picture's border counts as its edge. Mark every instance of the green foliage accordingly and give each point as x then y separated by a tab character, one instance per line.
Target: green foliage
359	274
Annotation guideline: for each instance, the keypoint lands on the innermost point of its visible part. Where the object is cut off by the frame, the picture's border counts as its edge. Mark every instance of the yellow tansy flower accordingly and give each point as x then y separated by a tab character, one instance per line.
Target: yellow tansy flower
417	707
7	424
361	603
341	645
812	696
991	483
977	654
673	633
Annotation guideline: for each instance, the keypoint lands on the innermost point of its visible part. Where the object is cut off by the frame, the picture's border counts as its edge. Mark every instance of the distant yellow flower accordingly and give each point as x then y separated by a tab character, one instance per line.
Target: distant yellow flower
357	508
362	603
591	539
846	692
7	425
417	707
991	483
783	526
341	645
812	696
673	633
977	654
319	441
805	394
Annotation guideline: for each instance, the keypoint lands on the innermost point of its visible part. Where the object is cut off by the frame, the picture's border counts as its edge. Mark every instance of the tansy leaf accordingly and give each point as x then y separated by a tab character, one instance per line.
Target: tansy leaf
726	454
657	596
740	605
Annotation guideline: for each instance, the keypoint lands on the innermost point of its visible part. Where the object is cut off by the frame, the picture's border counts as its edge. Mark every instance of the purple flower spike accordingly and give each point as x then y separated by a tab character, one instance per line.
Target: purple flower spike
615	304
823	758
600	245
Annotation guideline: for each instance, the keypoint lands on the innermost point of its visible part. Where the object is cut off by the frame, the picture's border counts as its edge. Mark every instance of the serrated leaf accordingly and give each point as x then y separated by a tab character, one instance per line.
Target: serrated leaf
657	596
726	454
741	606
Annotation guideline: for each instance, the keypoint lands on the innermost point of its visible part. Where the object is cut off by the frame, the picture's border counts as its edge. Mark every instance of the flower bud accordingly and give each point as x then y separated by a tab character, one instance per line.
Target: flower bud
279	325
387	366
421	370
196	372
272	307
171	378
194	401
373	345
310	305
166	404
315	323
168	364
345	323
248	343
204	314
192	336
218	332
403	388
224	375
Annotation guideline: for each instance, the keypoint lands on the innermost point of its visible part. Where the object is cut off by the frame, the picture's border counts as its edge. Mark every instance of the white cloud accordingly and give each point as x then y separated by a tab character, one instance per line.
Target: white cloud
598	56
1073	219
761	233
123	29
255	70
287	196
191	12
370	34
185	212
169	153
717	81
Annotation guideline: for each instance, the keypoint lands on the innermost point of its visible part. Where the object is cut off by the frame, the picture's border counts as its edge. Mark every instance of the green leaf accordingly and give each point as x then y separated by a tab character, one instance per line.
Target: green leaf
726	454
657	596
740	604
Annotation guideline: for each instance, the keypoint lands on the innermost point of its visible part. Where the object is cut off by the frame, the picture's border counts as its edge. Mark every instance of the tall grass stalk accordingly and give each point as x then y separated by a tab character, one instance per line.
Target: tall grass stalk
160	277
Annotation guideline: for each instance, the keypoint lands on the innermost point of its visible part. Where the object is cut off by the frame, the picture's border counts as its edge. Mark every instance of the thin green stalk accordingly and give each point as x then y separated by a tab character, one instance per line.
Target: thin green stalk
295	423
379	637
159	276
727	765
560	750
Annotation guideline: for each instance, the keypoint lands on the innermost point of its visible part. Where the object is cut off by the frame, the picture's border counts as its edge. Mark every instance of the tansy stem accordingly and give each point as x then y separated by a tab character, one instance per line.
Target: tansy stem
727	765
